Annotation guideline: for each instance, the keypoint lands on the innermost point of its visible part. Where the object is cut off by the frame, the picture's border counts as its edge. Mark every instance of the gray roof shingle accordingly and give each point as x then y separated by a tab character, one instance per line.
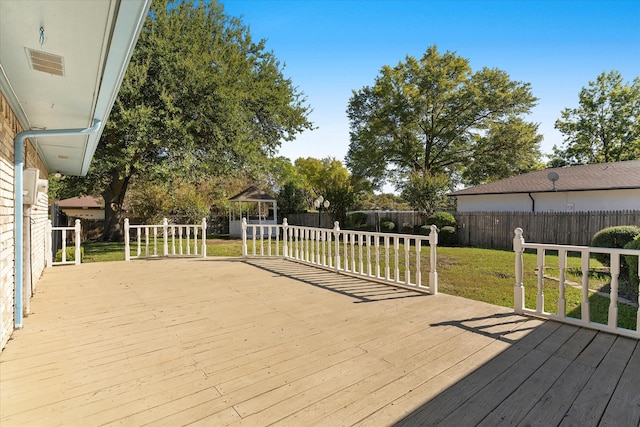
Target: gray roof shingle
600	176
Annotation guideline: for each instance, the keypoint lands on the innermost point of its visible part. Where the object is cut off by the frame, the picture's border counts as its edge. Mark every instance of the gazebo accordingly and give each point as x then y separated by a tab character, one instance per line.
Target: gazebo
257	206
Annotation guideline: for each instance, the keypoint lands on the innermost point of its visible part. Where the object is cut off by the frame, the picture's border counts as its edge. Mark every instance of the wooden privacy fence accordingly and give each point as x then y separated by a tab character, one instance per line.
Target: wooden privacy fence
495	229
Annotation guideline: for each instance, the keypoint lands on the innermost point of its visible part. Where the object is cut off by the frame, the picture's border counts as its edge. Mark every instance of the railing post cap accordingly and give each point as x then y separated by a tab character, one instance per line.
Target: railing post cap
434	228
518	232
126	220
285	222
336	226
244	220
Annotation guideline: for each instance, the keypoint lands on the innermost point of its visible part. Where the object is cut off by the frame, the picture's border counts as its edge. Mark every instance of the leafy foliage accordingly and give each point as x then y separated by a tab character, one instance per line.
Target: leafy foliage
424	122
606	125
330	179
613	237
441	220
632	262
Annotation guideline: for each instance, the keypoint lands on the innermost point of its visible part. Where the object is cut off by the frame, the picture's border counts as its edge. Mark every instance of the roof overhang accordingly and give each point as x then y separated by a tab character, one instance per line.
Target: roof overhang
84	48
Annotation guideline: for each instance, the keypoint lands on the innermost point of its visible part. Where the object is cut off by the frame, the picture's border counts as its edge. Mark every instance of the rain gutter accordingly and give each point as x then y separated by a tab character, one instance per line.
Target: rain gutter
18	164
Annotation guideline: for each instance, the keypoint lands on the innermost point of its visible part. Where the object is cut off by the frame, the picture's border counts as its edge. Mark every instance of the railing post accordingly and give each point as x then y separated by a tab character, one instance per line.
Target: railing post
244	237
433	273
613	293
518	290
336	235
285	237
127	248
204	237
165	237
78	233
48	236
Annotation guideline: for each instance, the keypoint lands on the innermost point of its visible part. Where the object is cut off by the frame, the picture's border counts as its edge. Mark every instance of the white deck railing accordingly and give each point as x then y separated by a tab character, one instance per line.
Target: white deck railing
64	232
390	258
176	239
519	245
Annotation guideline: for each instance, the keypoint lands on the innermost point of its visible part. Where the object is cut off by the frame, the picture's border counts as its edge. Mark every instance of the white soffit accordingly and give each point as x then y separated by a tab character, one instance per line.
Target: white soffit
62	65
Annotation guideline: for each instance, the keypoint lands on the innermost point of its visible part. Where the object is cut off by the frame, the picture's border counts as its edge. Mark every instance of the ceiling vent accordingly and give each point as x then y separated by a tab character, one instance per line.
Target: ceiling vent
46	62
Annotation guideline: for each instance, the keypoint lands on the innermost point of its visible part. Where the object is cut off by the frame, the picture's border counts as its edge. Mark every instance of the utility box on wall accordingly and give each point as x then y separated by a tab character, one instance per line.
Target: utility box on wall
32	185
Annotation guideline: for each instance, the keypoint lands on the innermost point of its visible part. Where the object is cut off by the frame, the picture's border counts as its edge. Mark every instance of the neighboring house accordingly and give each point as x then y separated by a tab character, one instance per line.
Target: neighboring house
83	207
61	66
595	187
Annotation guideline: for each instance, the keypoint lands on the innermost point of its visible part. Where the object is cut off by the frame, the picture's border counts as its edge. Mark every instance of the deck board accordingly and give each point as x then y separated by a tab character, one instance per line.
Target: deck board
270	342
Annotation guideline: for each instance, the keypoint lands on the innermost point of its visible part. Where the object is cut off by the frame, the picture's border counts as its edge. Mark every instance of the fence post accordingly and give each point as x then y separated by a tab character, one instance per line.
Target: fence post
244	237
336	235
48	237
204	237
78	233
165	237
127	248
285	236
433	273
518	289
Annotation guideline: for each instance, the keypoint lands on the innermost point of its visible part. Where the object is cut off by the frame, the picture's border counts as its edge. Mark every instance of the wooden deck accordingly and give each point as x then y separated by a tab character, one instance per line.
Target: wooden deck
213	342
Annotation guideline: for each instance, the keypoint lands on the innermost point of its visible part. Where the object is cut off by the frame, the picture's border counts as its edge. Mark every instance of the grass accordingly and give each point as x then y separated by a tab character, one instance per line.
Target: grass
479	274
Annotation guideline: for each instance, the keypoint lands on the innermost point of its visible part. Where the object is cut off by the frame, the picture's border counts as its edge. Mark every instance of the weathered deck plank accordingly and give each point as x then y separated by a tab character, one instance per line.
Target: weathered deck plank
216	342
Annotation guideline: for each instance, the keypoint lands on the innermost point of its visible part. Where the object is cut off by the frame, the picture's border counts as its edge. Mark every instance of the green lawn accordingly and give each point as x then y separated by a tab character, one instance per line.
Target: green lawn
479	274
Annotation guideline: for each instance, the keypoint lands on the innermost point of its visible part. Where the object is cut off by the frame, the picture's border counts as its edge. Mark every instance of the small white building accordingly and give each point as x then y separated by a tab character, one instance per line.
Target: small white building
583	188
257	206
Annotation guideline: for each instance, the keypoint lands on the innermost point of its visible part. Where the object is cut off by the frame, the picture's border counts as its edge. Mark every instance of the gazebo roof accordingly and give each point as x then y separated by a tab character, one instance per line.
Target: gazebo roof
252	194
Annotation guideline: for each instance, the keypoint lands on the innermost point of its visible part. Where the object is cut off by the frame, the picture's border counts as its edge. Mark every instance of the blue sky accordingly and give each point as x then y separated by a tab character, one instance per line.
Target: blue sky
332	47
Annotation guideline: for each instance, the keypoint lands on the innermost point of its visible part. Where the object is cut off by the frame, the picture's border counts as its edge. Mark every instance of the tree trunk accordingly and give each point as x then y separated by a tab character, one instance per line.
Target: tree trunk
113	197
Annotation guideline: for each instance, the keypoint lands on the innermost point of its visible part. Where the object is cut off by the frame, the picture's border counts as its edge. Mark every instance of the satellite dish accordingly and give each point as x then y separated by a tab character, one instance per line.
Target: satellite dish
553	177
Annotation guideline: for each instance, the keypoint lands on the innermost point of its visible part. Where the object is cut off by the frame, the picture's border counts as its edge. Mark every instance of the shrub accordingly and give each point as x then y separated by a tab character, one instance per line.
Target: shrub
407	228
632	262
386	225
355	220
71	254
424	230
613	237
441	220
447	236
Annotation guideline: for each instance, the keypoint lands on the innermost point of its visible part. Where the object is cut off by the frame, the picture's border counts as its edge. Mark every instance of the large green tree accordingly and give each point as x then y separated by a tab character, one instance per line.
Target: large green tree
200	99
330	179
433	117
605	127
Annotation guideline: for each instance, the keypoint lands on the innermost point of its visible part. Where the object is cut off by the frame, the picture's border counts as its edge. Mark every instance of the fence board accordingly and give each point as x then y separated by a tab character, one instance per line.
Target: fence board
495	229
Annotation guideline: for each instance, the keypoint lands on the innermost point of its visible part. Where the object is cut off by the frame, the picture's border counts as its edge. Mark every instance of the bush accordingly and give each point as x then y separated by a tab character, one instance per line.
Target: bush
632	262
407	228
424	230
447	236
71	254
355	220
386	225
441	220
613	237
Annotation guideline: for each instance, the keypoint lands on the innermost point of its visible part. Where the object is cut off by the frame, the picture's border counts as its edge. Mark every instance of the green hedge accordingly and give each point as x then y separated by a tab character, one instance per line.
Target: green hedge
613	237
441	220
632	261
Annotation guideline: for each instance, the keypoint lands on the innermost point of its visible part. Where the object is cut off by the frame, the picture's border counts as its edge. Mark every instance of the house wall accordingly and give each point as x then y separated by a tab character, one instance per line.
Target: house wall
34	247
9	127
575	201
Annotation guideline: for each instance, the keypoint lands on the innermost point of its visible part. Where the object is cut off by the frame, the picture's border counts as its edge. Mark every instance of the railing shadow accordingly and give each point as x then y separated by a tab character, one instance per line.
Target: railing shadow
361	289
501	326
